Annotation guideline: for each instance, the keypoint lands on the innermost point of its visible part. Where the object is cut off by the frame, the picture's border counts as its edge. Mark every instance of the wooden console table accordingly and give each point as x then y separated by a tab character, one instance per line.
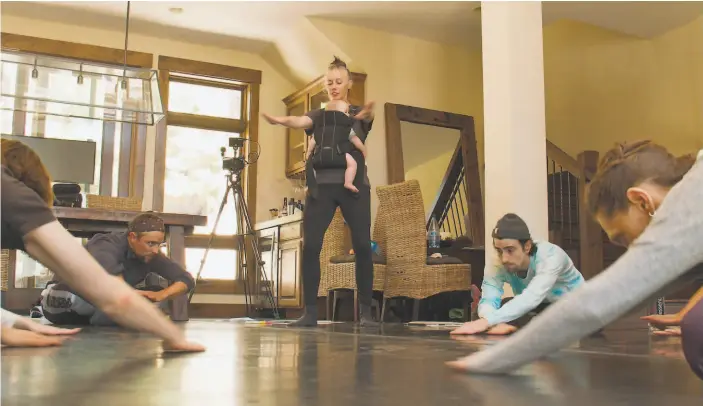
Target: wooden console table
86	222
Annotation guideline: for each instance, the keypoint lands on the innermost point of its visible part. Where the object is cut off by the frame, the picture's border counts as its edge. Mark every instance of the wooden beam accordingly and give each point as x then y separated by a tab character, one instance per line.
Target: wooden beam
160	148
107	157
207	123
214	70
124	168
590	232
74	50
138	162
394	145
564	160
472	181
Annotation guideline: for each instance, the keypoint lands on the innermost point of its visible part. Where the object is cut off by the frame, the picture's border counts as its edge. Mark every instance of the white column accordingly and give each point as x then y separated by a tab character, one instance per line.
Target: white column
514	122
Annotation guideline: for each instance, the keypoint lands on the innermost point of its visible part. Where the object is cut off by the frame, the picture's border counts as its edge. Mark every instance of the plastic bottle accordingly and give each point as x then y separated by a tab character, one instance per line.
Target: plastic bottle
433	234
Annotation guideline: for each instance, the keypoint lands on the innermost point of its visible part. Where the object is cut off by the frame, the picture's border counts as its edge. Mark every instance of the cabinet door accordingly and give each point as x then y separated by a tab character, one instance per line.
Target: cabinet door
318	99
290	280
296	138
268	243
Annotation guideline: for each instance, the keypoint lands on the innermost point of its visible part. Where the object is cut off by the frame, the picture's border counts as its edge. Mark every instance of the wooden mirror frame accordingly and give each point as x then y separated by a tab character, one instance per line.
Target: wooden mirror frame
395	113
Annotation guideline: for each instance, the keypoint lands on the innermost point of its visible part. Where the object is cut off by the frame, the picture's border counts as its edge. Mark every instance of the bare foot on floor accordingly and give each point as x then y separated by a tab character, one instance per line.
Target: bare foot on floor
502	330
351	187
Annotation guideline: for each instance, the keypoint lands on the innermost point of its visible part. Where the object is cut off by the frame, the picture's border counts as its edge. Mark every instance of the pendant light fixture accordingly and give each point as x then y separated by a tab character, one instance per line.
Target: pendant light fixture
42	84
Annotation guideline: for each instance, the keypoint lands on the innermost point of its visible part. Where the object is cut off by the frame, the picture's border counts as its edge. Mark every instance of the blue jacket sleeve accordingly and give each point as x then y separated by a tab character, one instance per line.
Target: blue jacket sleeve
491	292
547	273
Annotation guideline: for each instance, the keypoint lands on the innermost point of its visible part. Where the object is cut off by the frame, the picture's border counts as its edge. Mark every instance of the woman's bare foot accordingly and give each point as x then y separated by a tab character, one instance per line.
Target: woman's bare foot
183	346
351	187
502	330
13	337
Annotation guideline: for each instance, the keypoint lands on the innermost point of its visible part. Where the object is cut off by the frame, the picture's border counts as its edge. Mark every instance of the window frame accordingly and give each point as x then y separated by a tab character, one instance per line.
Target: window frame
213	75
132	149
131	164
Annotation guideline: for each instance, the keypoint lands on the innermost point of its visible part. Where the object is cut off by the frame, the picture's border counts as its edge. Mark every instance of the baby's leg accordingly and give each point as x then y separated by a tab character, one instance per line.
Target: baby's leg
350	173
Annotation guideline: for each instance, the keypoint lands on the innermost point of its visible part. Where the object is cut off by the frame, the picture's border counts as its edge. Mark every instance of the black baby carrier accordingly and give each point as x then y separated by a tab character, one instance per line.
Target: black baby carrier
331	132
332	140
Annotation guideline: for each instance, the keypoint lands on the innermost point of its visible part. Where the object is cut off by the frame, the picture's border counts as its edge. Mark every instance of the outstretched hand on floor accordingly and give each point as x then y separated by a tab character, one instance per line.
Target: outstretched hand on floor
472	327
663	320
14	337
183	346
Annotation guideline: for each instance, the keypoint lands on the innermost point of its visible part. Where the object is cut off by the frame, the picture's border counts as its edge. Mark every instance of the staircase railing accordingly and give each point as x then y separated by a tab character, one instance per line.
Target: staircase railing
451	204
570	225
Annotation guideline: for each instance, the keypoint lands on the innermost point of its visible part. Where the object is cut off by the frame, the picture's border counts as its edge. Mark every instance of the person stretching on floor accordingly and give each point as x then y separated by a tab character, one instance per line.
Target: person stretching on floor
28	224
649	201
349	175
129	255
539	273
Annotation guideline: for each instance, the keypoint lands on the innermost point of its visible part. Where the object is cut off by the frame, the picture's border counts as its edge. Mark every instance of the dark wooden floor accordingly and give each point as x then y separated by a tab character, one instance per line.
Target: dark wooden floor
337	365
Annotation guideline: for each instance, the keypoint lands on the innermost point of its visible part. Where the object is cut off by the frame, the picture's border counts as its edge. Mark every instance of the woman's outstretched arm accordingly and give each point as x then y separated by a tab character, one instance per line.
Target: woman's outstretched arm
53	246
668	249
300	122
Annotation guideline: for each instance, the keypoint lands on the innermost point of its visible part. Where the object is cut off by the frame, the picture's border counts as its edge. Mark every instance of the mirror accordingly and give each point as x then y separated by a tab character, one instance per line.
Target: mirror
427	152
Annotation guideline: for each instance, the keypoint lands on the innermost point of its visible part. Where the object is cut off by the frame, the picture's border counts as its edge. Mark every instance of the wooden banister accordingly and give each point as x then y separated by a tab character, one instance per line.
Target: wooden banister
451	176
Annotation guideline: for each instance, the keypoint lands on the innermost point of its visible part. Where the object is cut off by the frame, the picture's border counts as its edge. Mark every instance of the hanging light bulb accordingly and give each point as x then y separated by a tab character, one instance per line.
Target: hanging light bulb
35	72
80	75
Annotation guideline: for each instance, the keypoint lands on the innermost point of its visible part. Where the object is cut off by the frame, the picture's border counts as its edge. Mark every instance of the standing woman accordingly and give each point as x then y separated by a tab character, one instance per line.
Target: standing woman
328	194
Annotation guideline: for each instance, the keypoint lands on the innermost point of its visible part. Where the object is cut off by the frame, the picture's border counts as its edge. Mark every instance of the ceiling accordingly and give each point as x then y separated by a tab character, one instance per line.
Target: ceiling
263	22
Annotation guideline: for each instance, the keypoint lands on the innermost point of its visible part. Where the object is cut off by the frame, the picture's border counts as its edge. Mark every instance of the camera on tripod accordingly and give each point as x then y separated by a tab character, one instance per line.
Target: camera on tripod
237	162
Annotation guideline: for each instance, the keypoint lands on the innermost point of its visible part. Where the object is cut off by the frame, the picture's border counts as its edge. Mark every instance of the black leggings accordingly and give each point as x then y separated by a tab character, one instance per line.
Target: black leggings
692	338
317	217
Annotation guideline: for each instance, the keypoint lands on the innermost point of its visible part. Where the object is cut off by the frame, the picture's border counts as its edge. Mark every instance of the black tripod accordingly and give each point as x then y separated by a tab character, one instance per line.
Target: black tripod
234	185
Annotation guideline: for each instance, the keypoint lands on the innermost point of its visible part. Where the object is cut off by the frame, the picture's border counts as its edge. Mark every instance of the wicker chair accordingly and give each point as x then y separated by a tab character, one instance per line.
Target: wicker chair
340	272
334	244
408	273
4	269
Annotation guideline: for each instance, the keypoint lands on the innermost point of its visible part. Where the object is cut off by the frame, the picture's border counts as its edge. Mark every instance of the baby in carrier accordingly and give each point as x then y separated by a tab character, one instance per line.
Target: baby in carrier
350	172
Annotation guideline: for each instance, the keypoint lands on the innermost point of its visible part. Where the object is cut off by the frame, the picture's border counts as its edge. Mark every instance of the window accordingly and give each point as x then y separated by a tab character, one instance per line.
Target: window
203	114
195	181
6	117
220	264
204	100
29	273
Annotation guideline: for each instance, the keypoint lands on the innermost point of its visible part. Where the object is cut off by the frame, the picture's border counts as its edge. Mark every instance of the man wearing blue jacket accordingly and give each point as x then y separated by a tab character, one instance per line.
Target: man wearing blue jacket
539	273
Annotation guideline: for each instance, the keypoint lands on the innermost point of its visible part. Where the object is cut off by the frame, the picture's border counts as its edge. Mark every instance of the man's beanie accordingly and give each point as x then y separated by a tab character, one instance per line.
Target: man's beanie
511	227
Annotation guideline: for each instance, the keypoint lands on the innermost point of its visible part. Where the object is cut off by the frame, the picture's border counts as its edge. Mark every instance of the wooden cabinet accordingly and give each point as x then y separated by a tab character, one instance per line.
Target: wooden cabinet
281	243
290	280
312	97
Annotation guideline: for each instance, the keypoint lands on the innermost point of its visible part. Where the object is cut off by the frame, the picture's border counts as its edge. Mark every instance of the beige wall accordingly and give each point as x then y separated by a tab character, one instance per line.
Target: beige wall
272	184
602	87
408	71
430	174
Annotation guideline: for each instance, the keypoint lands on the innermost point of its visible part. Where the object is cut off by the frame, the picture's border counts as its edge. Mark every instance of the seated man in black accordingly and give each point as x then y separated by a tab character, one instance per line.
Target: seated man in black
129	255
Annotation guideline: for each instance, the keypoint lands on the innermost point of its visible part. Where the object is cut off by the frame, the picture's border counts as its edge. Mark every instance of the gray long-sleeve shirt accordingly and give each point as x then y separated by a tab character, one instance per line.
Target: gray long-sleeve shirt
669	250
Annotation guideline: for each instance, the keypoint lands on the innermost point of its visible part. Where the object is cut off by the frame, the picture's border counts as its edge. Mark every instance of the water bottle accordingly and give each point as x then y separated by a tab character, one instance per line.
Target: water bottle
433	234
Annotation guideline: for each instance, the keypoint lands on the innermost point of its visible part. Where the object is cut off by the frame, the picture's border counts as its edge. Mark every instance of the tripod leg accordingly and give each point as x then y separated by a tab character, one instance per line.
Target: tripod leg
242	253
249	230
212	236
